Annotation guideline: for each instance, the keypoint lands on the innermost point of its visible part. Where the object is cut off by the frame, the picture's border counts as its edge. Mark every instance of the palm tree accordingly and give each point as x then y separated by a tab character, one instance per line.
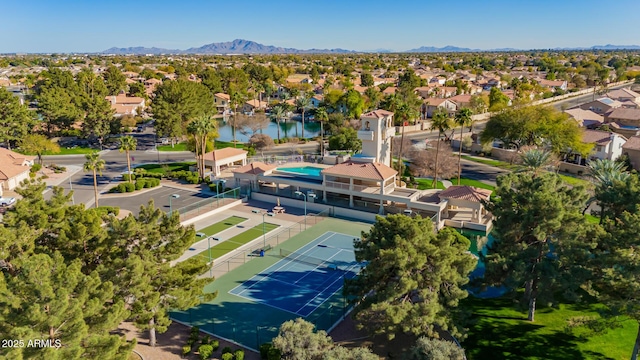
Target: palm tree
303	104
128	144
322	116
441	122
278	113
95	165
606	173
236	99
202	128
406	113
534	160
462	119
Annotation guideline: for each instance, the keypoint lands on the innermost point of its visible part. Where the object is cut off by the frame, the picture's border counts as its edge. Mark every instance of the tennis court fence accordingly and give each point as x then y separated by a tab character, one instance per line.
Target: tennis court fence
200	207
241	256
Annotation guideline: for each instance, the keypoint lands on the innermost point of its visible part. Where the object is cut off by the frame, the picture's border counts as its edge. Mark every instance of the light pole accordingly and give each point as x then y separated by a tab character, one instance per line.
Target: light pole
311	196
173	196
264	233
210	264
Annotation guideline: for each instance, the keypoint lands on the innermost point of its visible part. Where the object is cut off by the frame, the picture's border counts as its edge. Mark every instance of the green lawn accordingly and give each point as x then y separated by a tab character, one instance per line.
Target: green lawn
569	180
592	219
471	182
176	147
498	331
222	225
65	151
491	162
424	184
235	242
162	168
183	146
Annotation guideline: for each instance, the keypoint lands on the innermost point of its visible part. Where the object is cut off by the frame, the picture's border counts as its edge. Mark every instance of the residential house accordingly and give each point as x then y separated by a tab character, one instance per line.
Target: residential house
586	118
389	91
150	85
601	105
221	102
424	91
632	150
624	121
430	106
14	168
316	100
607	145
553	84
126	105
253	105
360	89
462	100
624	94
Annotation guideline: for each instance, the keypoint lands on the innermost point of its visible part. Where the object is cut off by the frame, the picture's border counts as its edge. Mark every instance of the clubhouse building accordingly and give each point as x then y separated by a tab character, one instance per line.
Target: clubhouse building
363	185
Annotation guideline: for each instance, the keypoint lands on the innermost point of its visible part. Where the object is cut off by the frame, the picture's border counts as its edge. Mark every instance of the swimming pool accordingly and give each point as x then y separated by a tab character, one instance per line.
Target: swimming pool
303	170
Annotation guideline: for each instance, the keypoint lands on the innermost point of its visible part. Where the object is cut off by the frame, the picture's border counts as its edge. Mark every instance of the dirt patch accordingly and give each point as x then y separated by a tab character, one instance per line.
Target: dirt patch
347	335
169	345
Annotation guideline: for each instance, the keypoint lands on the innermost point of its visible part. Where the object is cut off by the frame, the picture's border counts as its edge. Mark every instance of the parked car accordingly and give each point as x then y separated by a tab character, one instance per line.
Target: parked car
6	201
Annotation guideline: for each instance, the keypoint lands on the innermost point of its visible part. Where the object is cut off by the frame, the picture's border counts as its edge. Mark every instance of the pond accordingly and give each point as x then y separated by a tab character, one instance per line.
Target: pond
479	244
288	129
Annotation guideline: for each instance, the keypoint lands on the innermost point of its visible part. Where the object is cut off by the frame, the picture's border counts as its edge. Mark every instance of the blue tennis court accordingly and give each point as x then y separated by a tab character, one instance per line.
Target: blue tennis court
303	280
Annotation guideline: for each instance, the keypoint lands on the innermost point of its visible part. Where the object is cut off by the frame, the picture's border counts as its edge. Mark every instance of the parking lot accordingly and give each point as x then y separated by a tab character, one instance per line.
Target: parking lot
160	196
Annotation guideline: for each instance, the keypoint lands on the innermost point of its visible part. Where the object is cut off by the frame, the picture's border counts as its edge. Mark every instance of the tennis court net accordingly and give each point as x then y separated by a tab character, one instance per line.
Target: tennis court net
305	259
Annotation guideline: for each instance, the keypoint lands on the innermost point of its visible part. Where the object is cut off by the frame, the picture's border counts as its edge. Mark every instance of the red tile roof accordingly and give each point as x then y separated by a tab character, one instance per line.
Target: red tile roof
255	168
378	114
465	192
373	171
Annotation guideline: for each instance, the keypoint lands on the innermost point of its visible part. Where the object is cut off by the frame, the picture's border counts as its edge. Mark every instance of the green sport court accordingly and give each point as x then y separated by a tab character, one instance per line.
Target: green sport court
301	277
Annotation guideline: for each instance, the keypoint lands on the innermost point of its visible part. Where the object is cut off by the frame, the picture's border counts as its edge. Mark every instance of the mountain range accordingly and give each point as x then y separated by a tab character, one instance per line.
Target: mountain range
240	46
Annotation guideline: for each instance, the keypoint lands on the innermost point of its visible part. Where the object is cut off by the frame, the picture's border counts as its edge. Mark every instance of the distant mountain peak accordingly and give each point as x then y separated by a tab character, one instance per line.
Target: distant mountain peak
237	46
243	46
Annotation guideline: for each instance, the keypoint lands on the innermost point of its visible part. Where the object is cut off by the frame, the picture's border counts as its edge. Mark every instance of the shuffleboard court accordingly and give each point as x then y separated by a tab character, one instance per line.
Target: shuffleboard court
303	280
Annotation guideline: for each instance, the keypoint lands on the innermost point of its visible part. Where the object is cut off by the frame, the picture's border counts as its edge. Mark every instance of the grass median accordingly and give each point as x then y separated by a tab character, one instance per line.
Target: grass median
235	242
221	226
163	168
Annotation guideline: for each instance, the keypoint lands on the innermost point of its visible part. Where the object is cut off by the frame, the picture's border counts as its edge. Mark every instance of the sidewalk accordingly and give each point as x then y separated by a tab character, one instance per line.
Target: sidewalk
252	221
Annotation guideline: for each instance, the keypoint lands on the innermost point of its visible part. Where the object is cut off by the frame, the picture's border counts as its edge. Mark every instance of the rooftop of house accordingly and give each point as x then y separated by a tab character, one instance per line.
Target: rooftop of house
372	171
622	94
633	143
581	114
465	192
598	137
624	114
223	96
13	163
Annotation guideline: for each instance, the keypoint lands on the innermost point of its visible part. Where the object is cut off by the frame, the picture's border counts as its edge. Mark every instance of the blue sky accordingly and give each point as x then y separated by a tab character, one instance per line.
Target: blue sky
88	25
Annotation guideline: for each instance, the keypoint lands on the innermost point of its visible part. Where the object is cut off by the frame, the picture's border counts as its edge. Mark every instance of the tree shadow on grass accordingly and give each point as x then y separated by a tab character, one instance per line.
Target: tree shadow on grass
520	340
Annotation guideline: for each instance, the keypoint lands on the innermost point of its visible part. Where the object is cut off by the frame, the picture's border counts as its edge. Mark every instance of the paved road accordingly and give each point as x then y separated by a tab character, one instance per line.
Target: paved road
569	103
